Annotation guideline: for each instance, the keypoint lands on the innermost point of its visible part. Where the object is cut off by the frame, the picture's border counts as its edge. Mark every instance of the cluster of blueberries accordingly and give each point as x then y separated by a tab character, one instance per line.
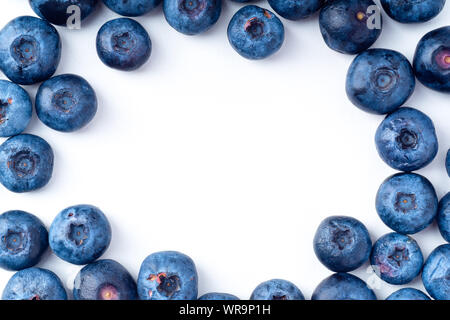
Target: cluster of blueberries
379	81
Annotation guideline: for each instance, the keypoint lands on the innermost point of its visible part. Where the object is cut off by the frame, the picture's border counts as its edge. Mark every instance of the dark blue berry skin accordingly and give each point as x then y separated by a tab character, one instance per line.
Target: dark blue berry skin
443	217
432	60
435	274
342	243
407	202
406	140
396	258
104	280
192	17
168	275
123	44
218	296
30	50
24	239
343	286
255	33
447	162
55	11
408	294
412	11
80	234
66	103
15	109
132	8
277	289
26	163
34	284
296	9
344	26
380	81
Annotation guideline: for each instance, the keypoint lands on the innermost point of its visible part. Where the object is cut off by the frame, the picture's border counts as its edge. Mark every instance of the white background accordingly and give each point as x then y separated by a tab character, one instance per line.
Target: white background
233	162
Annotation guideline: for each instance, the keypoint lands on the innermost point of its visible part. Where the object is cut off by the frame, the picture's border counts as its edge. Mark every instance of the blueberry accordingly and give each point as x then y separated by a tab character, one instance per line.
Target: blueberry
408	294
443	217
277	289
34	284
132	8
15	109
296	9
104	280
407	202
380	81
66	103
406	139
168	275
59	12
26	163
396	258
432	60
412	11
343	286
435	274
218	296
123	44
30	50
342	243
255	33
80	234
192	16
447	162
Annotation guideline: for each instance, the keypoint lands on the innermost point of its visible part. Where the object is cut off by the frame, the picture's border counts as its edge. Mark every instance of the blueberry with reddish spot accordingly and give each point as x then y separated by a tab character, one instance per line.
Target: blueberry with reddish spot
432	60
218	296
60	12
296	9
343	286
26	163
277	289
443	217
132	8
66	103
34	284
255	33
396	258
168	275
80	234
15	109
408	294
436	271
23	240
30	50
123	44
412	11
104	280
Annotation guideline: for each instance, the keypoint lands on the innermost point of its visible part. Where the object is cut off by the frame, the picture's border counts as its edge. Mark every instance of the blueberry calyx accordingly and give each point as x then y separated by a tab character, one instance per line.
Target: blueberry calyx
254	27
24	163
192	7
123	42
407	139
167	284
25	50
399	255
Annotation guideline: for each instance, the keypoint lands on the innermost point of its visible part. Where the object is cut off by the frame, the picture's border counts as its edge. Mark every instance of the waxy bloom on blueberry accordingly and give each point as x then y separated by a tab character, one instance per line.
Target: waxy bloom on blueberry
435	274
15	109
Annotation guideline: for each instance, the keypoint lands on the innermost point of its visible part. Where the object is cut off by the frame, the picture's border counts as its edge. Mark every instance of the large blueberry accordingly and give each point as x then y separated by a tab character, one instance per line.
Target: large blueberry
168	275
192	16
408	294
350	26
34	284
23	240
66	103
443	217
342	243
412	11
296	9
26	163
432	60
396	258
380	81
30	50
255	33
80	234
277	289
436	271
407	202
15	109
60	12
123	44
406	139
132	8
218	296
104	280
343	286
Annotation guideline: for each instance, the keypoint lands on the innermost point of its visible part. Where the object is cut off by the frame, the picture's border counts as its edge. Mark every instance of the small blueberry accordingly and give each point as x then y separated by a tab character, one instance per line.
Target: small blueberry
443	217
132	8
408	294
15	109
59	12
436	271
343	286
412	11
277	289
218	296
296	9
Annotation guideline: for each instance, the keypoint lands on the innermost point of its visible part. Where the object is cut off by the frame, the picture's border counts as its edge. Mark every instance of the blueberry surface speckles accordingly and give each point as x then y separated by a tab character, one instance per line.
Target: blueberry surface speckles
66	103
406	139
408	294
132	8
23	240
34	284
343	286
277	289
15	109
412	11
296	9
80	234
168	275
59	11
436	273
443	217
218	296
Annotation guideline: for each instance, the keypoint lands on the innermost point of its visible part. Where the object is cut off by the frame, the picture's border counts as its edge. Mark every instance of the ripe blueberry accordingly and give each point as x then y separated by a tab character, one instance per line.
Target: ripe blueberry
343	286
436	271
408	294
59	11
132	8
296	9
15	109
412	11
443	217
277	289
218	296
